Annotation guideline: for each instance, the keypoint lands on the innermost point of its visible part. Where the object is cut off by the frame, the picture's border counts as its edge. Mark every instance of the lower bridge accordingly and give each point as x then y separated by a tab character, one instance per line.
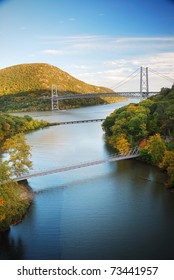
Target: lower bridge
79	121
132	153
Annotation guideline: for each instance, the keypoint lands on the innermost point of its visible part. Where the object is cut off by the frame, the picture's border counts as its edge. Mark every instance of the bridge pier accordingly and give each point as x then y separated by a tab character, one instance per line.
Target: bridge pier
144	82
142	94
54	98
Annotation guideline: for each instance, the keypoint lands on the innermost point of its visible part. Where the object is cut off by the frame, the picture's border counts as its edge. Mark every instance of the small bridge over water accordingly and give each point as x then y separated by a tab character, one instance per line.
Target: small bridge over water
79	121
132	153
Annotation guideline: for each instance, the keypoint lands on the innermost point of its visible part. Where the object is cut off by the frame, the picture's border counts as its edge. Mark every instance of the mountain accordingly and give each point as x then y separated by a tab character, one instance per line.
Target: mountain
21	87
40	76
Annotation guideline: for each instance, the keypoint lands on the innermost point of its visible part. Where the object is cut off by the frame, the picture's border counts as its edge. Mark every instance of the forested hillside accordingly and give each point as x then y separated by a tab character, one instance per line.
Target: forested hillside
14	198
149	124
22	86
11	125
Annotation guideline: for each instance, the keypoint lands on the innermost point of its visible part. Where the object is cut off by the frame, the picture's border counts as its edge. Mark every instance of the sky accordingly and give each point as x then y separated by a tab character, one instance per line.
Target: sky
100	42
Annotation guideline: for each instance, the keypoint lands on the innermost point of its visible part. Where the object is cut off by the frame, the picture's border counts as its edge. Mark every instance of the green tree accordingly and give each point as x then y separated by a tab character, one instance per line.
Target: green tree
154	149
168	164
5	172
19	153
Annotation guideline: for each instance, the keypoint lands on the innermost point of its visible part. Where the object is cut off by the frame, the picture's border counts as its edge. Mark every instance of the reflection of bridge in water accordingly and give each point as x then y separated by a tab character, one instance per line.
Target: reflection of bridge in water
132	153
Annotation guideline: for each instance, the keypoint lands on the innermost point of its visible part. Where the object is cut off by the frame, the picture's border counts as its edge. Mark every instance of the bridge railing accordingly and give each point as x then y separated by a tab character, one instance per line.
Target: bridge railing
103	94
132	153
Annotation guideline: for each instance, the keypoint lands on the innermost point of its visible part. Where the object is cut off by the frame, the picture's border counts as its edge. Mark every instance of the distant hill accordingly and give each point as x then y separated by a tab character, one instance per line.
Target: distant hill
40	76
22	85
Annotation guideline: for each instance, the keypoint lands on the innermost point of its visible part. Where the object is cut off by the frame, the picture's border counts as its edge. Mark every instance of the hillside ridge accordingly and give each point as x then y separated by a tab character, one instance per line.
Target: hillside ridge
24	86
40	76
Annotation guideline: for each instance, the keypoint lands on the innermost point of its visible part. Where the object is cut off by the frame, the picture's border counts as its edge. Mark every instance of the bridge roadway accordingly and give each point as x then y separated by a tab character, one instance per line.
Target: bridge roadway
80	121
103	94
132	153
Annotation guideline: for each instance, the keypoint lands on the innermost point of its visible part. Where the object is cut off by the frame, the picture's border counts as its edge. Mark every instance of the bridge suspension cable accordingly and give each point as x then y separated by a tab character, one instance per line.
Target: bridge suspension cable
132	153
127	79
161	75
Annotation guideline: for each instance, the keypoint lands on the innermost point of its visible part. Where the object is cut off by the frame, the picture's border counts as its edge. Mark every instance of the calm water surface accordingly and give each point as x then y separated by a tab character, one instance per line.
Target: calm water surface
112	211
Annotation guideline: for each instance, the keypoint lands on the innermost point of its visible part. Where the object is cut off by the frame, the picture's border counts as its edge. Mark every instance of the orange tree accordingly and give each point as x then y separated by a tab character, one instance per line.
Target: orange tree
122	144
153	150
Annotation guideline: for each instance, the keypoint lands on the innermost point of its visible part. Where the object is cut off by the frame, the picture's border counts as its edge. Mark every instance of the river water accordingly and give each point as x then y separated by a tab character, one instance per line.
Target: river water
116	210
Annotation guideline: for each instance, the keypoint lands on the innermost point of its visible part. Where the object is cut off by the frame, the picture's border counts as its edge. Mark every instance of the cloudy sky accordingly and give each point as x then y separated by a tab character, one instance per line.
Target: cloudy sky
98	41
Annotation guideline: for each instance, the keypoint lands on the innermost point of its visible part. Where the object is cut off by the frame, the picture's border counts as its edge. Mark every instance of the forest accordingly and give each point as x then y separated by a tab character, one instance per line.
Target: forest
148	124
35	101
23	88
11	125
15	198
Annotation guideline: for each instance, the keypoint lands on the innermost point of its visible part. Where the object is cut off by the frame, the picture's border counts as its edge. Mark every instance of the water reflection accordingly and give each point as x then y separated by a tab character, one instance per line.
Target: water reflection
113	211
10	248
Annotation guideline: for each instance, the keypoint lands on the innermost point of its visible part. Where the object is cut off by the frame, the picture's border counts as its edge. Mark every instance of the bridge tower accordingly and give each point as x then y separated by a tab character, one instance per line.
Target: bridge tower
144	82
54	100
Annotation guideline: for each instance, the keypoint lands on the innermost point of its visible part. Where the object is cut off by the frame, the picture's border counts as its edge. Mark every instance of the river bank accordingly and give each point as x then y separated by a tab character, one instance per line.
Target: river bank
18	199
26	195
149	125
106	211
15	199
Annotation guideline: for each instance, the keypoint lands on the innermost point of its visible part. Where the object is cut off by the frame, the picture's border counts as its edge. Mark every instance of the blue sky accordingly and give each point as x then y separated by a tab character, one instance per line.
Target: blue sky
98	41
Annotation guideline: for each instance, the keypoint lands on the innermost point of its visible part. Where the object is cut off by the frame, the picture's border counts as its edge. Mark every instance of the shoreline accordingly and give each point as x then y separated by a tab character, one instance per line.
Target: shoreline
25	196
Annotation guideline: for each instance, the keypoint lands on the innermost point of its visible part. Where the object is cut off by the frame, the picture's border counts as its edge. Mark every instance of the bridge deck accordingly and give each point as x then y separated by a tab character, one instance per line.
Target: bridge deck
79	121
133	154
103	94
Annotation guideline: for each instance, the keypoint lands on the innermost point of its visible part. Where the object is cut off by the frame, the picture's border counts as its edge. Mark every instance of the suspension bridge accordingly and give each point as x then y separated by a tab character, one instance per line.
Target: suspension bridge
142	72
132	153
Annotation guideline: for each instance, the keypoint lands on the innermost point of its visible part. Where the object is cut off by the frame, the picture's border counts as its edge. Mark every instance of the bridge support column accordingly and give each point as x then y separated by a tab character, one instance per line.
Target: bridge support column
144	82
54	96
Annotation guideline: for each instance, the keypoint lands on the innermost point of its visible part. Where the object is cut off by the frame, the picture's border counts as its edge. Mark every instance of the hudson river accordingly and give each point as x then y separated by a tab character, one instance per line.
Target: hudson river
116	210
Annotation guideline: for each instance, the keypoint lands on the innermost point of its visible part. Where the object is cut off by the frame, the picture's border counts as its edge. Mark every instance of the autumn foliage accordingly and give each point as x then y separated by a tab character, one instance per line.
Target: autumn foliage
122	144
149	125
24	88
14	198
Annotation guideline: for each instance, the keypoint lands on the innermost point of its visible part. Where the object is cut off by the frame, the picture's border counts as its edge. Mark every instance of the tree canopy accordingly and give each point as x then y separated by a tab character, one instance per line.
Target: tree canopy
19	153
148	124
14	200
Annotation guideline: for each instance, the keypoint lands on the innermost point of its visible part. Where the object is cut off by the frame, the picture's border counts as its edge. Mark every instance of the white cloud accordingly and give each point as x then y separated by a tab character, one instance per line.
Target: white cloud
77	66
158	61
145	39
117	70
104	60
55	52
97	43
72	19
